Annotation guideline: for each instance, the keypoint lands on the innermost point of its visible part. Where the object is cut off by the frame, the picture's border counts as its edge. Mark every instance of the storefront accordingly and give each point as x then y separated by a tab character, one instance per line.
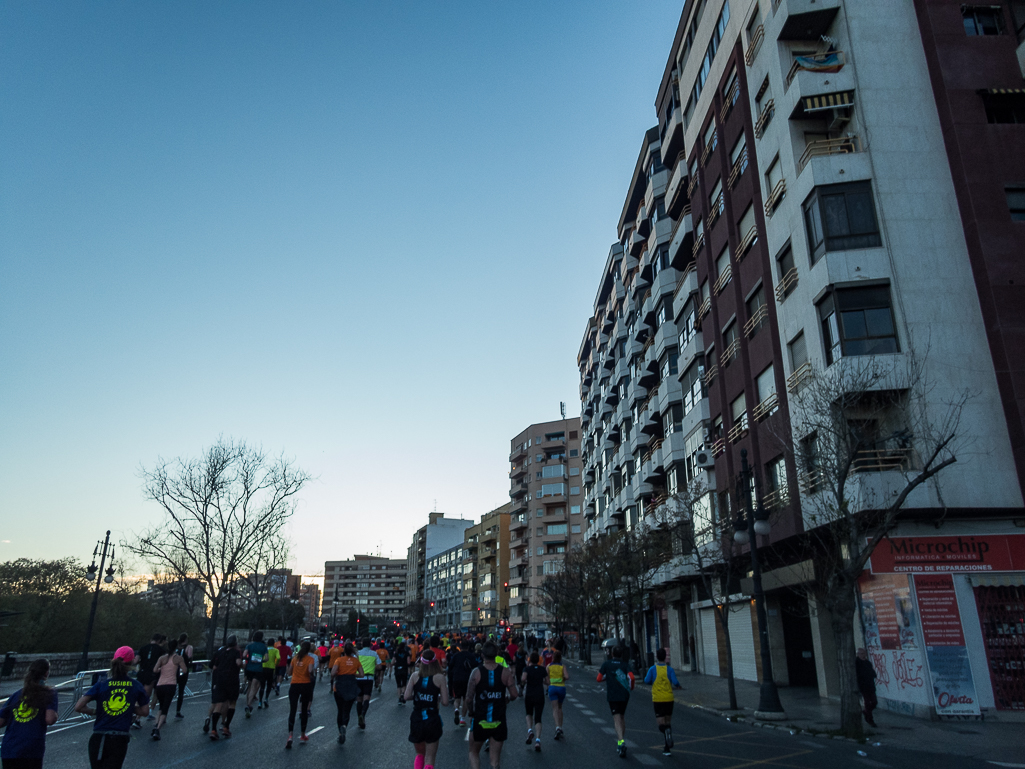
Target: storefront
943	620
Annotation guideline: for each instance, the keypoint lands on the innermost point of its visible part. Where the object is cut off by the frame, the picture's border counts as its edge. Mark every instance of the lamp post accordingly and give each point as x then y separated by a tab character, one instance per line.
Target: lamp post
103	549
334	612
296	602
769	706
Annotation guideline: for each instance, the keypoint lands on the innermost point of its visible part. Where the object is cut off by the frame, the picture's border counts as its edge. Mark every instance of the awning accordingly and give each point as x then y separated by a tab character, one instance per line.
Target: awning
827	101
997	580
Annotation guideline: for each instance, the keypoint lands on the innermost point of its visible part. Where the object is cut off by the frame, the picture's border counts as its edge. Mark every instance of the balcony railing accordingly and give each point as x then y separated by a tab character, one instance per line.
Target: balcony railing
752	48
723	279
775	197
756	320
795	380
691	185
830	61
820	147
709	146
729	99
810	481
766	407
786	284
747	242
705	307
710	374
730	353
775	499
739	166
768	110
715	212
719	447
699	241
739	429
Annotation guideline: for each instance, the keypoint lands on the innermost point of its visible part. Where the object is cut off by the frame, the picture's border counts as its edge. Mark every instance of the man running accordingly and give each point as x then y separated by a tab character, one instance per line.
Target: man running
370	662
400	664
224	687
486	694
147	660
662	678
270	664
322	652
619	682
460	664
284	657
382	652
255	652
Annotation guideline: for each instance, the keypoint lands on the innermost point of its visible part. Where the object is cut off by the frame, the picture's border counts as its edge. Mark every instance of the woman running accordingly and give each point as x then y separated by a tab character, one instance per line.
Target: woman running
344	687
26	714
663	680
428	690
117	698
303	669
401	667
535	679
557	678
167	670
185	650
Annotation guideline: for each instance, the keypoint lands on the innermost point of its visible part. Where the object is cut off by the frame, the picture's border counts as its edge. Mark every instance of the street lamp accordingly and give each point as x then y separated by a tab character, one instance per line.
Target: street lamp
769	706
103	549
334	612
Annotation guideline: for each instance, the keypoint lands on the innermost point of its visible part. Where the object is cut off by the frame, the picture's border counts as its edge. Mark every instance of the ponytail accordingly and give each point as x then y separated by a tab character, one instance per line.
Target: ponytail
118	670
34	692
304	649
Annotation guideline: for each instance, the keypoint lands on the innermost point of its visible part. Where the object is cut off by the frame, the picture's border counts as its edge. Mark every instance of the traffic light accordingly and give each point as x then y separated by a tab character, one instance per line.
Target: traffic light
507	587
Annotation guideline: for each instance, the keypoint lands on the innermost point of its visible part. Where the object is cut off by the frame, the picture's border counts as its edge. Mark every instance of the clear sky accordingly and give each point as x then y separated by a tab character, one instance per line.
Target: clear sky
365	234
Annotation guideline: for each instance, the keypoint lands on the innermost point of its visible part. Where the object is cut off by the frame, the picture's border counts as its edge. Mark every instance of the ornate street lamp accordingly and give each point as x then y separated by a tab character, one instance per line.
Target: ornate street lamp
103	549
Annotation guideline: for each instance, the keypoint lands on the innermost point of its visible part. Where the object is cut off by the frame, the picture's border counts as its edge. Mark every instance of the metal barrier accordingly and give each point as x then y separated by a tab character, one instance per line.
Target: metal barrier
199	683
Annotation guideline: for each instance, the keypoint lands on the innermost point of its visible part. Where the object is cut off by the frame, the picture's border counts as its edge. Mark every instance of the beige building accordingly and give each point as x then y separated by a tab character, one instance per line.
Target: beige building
371	584
546	512
485	570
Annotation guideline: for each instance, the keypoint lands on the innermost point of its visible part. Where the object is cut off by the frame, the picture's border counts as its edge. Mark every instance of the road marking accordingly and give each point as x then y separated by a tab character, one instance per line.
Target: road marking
1003	763
608	730
644	758
314	730
870	762
65	728
587	712
597	720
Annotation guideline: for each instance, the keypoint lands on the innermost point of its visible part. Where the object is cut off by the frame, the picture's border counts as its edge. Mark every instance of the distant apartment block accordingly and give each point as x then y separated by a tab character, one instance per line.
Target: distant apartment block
485	571
370	584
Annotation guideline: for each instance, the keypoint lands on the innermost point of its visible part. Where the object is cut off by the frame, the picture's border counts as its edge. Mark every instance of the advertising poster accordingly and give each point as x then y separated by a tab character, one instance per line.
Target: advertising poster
893	638
949	671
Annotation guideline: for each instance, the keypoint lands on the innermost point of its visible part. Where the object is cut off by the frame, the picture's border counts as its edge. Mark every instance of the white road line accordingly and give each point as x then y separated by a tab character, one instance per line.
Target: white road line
65	728
608	730
644	758
597	720
587	712
314	730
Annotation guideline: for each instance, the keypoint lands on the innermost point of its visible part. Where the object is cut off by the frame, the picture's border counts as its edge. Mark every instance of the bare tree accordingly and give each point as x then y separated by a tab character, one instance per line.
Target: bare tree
220	510
865	435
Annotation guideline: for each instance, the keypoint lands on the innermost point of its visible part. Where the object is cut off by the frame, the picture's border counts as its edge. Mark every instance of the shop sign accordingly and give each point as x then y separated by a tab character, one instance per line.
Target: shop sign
949	670
967	553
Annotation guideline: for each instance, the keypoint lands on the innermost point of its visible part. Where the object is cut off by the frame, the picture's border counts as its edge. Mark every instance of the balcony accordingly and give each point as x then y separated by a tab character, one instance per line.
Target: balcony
520	452
766	407
719	447
747	241
729	99
806	21
842	146
692	185
643	223
518	472
775	197
828	62
786	286
739	429
518	490
717	208
724	278
764	117
776	499
673	136
677	184
699	241
680	233
704	308
756	321
882	460
756	42
711	145
710	374
795	380
730	353
810	481
636	244
739	166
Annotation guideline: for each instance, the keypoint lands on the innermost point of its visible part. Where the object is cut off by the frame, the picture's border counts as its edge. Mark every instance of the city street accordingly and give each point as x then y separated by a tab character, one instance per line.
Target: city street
702	740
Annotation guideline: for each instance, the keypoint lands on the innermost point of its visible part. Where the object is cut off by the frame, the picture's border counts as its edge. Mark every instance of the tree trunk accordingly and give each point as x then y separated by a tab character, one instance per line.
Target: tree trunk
211	638
842	602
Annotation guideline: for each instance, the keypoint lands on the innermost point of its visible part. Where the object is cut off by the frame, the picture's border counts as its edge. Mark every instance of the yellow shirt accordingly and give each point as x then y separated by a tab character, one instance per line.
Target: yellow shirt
555	675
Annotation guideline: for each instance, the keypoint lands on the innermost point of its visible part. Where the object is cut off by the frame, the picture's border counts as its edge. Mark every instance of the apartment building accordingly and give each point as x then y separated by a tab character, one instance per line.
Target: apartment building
440	534
443	590
829	182
546	512
309	597
370	584
485	571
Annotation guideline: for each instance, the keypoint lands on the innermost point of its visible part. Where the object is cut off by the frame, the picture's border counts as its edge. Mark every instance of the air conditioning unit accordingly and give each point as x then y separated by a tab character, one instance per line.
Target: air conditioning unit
838	118
705	460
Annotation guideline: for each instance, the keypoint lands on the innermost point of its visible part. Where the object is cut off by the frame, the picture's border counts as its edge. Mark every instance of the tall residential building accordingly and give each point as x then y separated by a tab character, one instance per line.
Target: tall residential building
443	598
309	597
546	513
440	534
371	584
830	182
485	570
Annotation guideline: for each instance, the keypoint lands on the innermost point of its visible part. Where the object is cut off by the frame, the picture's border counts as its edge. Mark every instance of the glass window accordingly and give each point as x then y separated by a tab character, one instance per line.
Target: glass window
747	223
574	490
722	262
766	384
672	418
553	471
556	528
798	352
858	321
574	529
574	509
738	152
785	262
982	19
693	384
668	364
552	489
840	217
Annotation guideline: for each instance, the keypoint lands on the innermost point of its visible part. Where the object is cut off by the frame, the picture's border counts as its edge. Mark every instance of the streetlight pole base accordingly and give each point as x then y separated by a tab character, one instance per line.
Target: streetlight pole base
770	715
769	706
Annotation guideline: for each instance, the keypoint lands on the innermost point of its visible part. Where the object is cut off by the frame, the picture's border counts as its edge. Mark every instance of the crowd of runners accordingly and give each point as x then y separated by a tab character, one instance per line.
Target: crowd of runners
477	676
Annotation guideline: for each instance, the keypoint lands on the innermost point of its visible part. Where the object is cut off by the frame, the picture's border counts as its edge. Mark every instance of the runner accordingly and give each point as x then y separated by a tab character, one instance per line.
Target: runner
400	664
167	670
146	659
662	678
186	651
256	650
322	651
284	657
270	665
303	671
618	685
26	714
427	689
370	662
332	657
460	665
118	697
383	654
486	694
534	680
344	674
558	675
224	687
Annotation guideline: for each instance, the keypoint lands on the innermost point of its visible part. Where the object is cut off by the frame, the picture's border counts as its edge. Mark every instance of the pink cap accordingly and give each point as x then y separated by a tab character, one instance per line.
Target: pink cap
125	653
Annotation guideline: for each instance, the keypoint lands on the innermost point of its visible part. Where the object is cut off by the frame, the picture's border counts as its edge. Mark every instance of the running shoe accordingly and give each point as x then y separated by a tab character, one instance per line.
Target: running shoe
341	736
288	745
136	725
226	731
530	736
213	735
558	732
621	748
155	734
259	705
455	717
206	725
249	712
666	751
178	715
537	745
150	717
362	722
462	721
303	739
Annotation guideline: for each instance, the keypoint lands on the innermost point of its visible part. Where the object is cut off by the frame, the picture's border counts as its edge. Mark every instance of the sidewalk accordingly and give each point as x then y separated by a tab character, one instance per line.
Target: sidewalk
998	741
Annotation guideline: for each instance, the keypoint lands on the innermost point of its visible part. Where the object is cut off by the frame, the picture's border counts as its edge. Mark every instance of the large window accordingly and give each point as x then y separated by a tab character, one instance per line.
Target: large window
668	363
556	528
713	46
553	471
982	19
840	217
858	321
552	489
672	418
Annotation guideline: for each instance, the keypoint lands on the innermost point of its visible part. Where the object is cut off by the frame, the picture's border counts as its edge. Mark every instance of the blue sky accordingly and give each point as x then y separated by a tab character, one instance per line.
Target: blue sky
365	234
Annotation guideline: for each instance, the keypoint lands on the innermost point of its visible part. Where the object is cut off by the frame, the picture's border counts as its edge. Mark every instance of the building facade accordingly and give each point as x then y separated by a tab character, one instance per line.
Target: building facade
814	198
309	597
443	590
369	584
546	513
485	571
440	534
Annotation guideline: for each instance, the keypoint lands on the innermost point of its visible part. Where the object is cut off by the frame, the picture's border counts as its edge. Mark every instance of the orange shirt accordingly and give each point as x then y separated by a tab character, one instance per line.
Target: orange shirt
383	654
347	666
302	669
336	652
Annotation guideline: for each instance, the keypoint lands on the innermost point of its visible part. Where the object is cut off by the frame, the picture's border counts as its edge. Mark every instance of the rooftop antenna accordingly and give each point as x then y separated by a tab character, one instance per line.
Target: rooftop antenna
562	408
435	505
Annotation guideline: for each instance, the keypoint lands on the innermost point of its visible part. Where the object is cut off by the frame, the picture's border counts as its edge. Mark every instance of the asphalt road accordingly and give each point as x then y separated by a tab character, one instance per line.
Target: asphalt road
703	740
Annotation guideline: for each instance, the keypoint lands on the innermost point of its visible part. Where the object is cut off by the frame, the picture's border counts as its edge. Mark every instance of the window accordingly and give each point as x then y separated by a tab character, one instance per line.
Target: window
840	217
540	530
722	262
798	352
552	489
555	436
574	490
738	410
574	509
747	224
755	313
1005	108
539	458
556	528
660	314
729	336
773	176
672	418
739	153
857	321
553	471
766	384
713	46
711	138
982	19
776	480
574	471
693	384
574	529
785	261
668	363
1016	203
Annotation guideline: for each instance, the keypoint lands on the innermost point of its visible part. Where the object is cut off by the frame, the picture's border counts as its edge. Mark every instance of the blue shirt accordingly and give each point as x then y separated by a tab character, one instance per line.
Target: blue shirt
26	727
114	704
257	650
